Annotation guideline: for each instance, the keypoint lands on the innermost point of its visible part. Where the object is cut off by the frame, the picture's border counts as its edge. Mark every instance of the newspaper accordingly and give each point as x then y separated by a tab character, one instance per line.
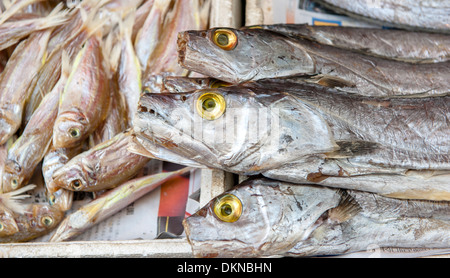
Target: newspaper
160	211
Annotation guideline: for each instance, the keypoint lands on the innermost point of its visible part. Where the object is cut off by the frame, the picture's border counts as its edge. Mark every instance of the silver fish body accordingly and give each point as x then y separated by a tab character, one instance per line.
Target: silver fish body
415	47
307	133
430	15
282	219
248	59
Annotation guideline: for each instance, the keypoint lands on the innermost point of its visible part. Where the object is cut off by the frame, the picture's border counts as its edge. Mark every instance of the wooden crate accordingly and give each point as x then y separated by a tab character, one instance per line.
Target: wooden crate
226	13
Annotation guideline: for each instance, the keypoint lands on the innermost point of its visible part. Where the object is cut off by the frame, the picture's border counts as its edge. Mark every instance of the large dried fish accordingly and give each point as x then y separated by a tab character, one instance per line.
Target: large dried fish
237	56
306	133
262	218
430	15
415	47
110	203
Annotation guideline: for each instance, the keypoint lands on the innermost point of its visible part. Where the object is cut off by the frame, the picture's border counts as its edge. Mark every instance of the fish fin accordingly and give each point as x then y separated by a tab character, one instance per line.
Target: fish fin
346	209
352	148
137	148
10	199
331	81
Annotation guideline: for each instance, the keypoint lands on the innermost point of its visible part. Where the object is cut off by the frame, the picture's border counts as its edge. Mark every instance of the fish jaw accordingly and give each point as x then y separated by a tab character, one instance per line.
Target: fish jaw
8	225
10	119
65	176
12	178
65	123
190	53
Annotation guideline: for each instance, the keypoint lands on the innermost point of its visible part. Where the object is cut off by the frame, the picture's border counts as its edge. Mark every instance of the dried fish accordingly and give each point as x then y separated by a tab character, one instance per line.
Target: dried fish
262	218
402	45
104	166
15	79
85	100
306	133
109	203
237	56
429	15
29	149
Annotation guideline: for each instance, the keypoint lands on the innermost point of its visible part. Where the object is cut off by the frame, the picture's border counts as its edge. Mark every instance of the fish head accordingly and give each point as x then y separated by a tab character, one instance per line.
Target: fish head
259	217
238	129
13	177
73	176
8	225
10	120
70	129
43	217
236	56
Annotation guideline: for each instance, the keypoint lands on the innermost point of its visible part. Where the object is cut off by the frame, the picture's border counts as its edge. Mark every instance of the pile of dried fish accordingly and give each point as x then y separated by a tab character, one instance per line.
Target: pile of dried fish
366	122
71	77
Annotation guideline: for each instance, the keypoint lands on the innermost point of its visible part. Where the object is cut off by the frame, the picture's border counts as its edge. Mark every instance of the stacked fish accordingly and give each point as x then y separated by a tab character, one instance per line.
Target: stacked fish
344	133
71	77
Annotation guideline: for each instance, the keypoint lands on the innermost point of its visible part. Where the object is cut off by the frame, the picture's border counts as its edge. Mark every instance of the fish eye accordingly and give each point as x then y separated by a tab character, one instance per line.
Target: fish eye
14	183
2	227
225	39
47	221
74	132
211	106
76	185
228	208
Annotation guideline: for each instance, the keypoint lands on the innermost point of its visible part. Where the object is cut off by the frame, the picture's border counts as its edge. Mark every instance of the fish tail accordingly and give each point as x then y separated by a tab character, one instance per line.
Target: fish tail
93	23
56	17
11	199
14	7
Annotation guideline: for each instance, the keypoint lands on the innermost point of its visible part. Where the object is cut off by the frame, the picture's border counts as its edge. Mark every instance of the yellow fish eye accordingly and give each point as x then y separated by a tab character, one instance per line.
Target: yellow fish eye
14	183
74	132
211	106
228	208
76	185
47	221
225	39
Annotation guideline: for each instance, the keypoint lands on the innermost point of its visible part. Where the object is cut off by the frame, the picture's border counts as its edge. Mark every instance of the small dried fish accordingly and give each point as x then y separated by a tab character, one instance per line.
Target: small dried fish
104	166
109	203
148	35
53	160
11	32
85	100
29	149
38	220
16	78
415	47
237	56
129	71
262	218
182	15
